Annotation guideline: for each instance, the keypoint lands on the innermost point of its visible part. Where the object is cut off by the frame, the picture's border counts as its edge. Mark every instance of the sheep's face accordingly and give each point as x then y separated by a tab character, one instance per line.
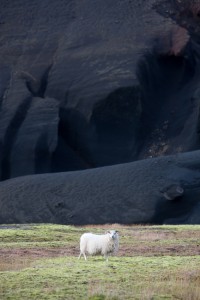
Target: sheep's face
113	234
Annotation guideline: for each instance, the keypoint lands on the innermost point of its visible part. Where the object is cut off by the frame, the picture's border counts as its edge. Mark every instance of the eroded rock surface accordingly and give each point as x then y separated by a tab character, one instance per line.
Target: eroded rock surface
86	84
123	77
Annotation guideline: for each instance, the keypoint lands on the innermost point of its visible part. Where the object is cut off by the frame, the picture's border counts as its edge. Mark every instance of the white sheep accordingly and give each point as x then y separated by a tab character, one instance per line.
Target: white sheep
95	244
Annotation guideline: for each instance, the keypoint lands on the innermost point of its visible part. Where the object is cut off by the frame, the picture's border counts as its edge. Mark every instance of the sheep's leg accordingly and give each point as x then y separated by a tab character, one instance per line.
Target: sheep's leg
106	257
82	253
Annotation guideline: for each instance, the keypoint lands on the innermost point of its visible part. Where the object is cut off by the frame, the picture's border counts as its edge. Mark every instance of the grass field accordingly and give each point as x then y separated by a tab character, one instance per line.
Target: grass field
154	262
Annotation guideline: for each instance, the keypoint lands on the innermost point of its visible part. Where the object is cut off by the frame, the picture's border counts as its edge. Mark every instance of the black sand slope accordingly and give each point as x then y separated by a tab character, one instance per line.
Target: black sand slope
157	190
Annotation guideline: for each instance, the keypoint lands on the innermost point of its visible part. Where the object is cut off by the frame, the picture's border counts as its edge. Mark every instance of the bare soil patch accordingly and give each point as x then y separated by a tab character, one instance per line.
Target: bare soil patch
134	241
16	259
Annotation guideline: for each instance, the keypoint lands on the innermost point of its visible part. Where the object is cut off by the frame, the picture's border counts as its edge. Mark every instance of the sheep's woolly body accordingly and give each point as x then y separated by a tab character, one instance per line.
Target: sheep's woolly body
97	244
94	244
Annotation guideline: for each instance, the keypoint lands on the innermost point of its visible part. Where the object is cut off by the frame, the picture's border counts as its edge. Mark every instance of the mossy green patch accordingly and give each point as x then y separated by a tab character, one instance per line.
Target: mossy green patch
38	235
143	270
69	278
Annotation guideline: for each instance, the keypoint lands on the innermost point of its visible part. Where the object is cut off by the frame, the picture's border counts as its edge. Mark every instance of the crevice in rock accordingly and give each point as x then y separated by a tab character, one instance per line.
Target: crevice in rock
38	88
70	153
117	120
42	155
166	82
5	80
11	134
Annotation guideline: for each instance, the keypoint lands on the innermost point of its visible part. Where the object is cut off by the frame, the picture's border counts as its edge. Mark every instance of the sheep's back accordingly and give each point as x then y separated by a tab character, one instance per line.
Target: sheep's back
97	244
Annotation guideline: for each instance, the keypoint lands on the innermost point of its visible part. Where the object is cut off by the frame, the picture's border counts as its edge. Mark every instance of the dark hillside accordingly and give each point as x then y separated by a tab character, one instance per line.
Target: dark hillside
91	83
158	190
98	87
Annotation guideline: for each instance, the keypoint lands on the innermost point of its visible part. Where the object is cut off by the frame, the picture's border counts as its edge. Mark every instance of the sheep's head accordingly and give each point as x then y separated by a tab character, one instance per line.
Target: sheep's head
113	234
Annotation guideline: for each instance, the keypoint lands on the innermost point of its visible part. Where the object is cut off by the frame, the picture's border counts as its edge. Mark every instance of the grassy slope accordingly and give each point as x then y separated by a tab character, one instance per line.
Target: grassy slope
154	262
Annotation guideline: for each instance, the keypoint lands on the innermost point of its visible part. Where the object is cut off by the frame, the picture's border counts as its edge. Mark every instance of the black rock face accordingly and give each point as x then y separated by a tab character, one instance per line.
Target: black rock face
86	84
94	83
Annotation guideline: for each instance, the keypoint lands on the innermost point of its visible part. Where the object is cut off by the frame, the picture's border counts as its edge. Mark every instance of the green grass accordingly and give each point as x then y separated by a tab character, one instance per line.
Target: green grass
154	262
34	234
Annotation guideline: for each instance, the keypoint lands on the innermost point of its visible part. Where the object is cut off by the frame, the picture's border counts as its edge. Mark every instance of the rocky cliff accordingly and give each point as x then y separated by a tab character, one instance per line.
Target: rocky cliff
87	84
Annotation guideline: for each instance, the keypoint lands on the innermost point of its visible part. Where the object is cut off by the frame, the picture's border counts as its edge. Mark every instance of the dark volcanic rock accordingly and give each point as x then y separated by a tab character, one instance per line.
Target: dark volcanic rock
114	80
173	192
89	83
126	193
